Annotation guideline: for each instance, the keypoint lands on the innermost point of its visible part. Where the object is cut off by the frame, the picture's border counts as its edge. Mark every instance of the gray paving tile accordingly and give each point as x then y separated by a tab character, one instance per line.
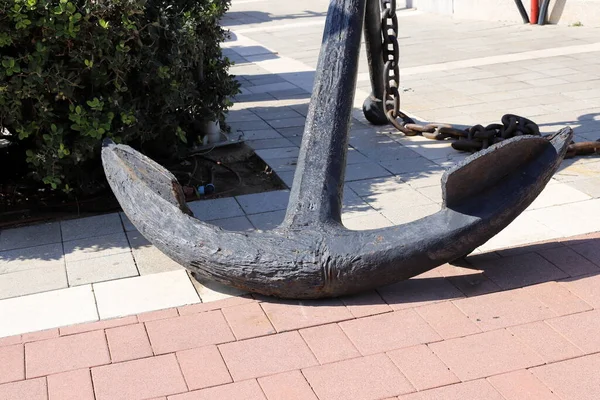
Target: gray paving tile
266	221
261	134
148	259
101	269
32	281
98	225
127	225
206	210
357	172
374	186
100	246
264	202
269	143
284	152
45	256
240	224
28	236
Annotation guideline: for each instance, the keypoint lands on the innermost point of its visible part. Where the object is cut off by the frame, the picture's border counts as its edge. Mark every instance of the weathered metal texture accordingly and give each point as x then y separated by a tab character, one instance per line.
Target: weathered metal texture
312	255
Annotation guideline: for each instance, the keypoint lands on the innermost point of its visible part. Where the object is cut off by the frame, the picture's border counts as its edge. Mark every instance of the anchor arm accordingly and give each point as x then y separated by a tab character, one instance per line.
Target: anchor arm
316	196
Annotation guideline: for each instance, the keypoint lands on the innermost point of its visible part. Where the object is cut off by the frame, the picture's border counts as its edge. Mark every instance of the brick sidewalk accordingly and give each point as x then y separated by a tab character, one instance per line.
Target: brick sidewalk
520	323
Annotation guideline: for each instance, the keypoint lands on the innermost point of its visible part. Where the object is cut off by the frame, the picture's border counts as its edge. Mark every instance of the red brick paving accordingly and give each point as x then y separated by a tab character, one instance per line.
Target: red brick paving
72	385
452	334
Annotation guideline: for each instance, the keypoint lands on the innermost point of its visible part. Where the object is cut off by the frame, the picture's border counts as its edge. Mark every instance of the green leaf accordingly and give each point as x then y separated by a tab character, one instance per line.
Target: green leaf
103	24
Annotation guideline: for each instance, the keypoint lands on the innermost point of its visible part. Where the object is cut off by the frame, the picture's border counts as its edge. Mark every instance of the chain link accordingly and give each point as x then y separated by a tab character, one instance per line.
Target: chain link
391	69
470	139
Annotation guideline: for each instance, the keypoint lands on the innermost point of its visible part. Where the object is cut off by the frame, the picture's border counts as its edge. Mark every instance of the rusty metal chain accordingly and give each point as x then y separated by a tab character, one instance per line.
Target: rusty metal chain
391	69
470	139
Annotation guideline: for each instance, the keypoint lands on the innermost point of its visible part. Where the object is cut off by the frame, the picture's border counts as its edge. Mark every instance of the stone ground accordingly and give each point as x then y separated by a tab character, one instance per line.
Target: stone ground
518	321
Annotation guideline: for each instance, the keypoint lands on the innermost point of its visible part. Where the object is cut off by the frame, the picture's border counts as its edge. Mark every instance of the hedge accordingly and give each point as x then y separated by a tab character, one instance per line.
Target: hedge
72	72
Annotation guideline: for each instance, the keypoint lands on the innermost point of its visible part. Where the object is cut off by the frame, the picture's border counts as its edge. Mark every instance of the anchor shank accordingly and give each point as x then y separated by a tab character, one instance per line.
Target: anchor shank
374	49
316	196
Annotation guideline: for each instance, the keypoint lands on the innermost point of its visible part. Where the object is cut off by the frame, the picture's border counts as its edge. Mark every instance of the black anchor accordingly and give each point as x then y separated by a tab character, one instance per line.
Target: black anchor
311	254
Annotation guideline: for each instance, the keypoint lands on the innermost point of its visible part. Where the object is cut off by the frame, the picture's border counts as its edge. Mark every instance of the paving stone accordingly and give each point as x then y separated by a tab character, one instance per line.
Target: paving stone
580	329
47	310
32	281
287	315
368	220
46	256
521	270
207	210
560	193
215	305
329	343
128	343
268	220
10	340
203	367
239	224
99	225
569	261
40	335
101	269
485	354
210	291
285	152
247	390
287	386
499	310
397	200
587	249
12	367
261	134
159	314
548	343
139	379
521	385
145	293
376	186
100	246
422	368
575	379
418	292
366	304
98	325
264	202
389	331
587	288
521	231
365	378
66	353
558	298
28	236
447	320
33	389
187	332
480	389
356	172
149	259
72	385
268	355
470	281
287	122
248	321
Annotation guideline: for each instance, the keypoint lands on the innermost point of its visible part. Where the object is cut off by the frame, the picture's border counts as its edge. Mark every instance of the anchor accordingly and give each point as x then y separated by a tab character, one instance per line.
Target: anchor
311	254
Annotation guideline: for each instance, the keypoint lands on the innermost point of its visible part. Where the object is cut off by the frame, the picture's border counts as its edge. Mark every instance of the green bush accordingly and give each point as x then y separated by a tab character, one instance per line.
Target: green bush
142	72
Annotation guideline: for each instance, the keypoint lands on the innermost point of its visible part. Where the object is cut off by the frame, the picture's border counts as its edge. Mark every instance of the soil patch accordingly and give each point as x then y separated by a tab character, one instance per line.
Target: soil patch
232	170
